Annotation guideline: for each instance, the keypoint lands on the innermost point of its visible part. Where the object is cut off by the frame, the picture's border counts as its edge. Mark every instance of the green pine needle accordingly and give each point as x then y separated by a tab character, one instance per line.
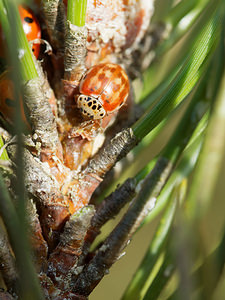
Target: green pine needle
137	287
185	80
4	155
76	12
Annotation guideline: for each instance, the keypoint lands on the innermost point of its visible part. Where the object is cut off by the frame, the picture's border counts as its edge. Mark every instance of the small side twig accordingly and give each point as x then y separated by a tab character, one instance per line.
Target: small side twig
117	148
112	204
108	209
92	175
118	239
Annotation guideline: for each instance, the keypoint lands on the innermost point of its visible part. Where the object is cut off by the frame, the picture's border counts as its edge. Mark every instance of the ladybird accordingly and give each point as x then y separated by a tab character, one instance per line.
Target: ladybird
104	89
7	101
31	27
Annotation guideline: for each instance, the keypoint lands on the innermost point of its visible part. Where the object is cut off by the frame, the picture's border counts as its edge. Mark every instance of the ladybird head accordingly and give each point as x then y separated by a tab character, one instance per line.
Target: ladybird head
90	107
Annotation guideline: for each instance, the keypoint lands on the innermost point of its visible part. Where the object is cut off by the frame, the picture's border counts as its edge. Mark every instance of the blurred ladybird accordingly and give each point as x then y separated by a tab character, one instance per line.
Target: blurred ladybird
31	27
104	89
7	101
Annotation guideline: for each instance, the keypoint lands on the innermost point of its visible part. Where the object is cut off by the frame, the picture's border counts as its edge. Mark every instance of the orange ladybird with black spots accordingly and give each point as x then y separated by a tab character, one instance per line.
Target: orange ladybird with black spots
104	89
31	27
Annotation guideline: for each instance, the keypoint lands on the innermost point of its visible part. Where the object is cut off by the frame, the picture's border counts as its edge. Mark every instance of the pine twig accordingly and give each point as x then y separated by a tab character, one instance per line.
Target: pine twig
118	239
103	161
108	209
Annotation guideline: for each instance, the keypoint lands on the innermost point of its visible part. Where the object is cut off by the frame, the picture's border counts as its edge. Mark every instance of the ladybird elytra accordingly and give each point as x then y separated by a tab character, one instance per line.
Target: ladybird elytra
104	89
7	101
31	28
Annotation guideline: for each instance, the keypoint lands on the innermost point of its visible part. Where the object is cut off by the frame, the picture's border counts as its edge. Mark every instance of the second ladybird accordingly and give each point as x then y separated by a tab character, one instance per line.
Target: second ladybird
104	89
7	101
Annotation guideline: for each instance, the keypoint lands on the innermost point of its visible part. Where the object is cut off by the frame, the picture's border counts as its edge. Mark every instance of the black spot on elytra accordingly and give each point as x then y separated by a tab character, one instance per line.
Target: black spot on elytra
99	106
101	114
28	20
10	102
94	101
85	111
89	104
89	98
32	49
